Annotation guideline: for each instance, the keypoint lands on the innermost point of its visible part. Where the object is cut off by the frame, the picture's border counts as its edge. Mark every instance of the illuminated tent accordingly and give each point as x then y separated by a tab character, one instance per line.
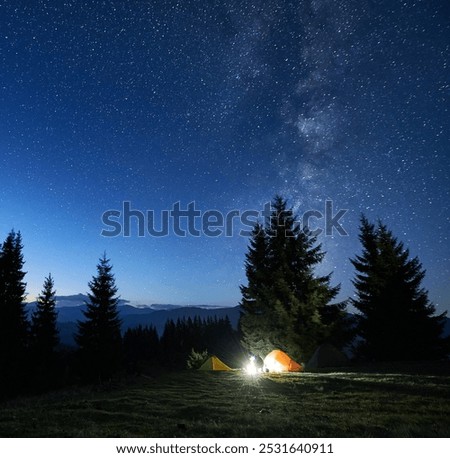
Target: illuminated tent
279	361
213	363
327	356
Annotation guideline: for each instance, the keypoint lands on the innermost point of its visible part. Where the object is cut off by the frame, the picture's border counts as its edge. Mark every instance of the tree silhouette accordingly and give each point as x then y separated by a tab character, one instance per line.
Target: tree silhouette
99	338
141	345
285	305
43	323
396	320
14	325
170	345
216	336
255	324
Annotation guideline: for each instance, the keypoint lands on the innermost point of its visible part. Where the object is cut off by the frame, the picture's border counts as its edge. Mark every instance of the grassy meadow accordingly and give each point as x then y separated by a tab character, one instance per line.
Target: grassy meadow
232	404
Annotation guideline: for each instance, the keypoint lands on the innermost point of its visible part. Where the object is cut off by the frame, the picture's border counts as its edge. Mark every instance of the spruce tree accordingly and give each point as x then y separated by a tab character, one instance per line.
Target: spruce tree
44	331
171	351
99	338
396	319
285	305
14	325
141	345
255	324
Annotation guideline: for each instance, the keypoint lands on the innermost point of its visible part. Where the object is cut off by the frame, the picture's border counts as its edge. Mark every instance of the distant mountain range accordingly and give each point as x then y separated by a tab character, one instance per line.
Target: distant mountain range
76	300
70	310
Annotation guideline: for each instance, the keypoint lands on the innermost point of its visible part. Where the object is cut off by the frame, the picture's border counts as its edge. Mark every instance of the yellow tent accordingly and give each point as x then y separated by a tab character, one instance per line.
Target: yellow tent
279	361
213	363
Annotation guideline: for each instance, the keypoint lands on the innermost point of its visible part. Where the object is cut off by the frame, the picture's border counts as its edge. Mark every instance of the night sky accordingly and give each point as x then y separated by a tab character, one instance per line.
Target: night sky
224	103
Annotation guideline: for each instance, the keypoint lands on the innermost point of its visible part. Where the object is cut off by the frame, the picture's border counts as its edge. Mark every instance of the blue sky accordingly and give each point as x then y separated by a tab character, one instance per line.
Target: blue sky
224	103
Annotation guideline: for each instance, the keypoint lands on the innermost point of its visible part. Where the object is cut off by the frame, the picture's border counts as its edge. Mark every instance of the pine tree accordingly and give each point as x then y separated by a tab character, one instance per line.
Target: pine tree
14	325
99	338
255	324
44	331
285	305
141	345
396	320
171	344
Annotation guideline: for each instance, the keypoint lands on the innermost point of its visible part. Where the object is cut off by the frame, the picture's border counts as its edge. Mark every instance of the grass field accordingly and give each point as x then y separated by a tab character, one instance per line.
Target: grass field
232	404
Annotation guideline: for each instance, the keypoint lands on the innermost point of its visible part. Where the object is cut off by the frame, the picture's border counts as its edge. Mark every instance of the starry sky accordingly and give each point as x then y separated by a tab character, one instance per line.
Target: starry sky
224	103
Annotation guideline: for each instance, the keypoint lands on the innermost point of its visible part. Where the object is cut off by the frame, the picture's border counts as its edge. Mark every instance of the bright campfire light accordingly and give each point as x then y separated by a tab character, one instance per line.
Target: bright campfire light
251	368
274	366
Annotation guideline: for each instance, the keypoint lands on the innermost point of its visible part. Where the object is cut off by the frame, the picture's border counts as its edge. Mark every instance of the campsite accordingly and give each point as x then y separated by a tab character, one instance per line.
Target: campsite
290	367
224	219
387	401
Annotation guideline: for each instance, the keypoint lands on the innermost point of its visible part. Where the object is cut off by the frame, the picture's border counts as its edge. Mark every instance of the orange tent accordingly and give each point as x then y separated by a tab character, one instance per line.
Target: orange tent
279	361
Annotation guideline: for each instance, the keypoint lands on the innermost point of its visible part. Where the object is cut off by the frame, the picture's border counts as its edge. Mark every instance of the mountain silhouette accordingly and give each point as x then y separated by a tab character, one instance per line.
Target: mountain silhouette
70	310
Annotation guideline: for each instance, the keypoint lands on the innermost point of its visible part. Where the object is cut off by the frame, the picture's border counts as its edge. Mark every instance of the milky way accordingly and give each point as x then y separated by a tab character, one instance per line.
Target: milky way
224	103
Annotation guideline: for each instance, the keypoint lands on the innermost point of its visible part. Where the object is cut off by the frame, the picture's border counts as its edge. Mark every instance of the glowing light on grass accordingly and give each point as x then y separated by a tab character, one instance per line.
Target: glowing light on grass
274	366
251	368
